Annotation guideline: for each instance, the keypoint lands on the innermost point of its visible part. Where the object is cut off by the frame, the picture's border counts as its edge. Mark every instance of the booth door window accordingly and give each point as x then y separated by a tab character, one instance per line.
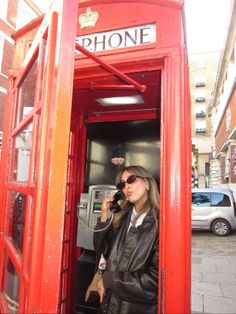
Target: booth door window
20	187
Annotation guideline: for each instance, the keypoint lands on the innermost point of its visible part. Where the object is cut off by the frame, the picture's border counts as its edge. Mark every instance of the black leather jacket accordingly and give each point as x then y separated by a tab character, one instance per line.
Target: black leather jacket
132	265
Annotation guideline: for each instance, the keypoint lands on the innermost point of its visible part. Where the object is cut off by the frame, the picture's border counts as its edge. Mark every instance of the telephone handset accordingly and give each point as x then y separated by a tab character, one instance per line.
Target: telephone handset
115	207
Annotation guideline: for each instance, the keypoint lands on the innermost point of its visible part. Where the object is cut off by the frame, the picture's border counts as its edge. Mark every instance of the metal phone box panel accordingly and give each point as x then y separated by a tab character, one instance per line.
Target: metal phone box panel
89	209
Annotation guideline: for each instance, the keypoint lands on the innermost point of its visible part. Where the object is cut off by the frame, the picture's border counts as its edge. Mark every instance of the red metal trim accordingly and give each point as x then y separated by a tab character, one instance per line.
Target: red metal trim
28	27
26	65
55	136
175	189
114	87
152	63
3	178
79	148
21	187
27	242
123	116
21	126
177	4
14	254
110	68
40	201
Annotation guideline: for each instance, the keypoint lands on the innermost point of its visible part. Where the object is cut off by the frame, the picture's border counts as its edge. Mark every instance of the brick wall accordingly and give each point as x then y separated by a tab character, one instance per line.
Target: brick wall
232	104
223	133
7	57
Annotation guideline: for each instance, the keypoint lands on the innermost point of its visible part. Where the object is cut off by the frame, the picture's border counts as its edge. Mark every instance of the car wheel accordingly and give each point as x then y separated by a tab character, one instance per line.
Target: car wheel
221	227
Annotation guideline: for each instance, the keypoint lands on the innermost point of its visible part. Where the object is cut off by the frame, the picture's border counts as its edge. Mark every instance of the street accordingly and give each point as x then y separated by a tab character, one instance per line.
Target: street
205	242
213	273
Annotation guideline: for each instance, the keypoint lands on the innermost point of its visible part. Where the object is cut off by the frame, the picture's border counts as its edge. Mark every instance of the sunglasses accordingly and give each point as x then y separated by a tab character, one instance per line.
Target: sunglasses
131	179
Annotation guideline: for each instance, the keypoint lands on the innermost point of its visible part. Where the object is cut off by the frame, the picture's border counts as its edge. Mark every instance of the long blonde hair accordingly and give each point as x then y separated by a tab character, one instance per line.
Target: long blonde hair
153	201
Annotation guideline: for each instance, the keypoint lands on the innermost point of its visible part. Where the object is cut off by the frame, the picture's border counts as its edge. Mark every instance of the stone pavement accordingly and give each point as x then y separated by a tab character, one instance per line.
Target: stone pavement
213	273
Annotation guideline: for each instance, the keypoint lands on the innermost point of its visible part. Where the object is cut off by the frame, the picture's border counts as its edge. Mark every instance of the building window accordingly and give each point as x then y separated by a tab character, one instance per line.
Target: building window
200	95
207	174
228	120
201	130
200	114
200	126
200	99
199	108
200	84
3	9
227	168
200	81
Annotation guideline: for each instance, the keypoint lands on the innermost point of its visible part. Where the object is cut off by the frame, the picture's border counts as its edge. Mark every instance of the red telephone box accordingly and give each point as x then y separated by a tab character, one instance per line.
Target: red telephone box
69	68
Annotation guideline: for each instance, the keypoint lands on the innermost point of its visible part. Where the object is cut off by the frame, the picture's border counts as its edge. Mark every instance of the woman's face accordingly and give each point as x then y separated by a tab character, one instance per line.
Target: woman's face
136	192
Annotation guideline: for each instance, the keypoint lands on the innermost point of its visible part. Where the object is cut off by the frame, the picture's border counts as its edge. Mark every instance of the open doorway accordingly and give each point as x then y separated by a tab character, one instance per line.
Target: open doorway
117	135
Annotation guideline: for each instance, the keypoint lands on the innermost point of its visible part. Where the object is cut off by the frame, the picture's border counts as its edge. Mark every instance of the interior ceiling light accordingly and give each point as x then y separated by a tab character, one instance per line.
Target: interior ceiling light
119	101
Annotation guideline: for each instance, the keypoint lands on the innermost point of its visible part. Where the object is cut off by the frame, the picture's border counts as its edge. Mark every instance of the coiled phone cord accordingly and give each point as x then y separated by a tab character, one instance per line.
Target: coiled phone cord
95	230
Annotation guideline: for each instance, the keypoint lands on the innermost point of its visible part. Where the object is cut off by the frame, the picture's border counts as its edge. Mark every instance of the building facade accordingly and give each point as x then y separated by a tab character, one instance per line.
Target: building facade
203	69
223	108
13	15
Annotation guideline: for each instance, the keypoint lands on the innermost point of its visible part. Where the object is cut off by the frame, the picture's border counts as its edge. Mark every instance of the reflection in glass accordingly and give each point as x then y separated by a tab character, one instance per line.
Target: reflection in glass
21	157
27	91
220	199
17	219
11	289
201	199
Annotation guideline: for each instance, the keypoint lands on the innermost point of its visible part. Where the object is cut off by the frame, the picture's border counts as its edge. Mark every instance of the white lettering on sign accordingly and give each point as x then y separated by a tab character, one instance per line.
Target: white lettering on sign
119	38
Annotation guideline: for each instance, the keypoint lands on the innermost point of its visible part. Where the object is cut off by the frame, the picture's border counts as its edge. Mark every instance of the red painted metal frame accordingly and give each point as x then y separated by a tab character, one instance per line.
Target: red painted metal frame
177	4
53	134
51	181
111	69
36	283
78	124
175	227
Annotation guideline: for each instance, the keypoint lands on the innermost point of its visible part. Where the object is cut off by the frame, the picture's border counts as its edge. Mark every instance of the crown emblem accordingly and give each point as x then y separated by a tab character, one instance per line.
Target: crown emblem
88	19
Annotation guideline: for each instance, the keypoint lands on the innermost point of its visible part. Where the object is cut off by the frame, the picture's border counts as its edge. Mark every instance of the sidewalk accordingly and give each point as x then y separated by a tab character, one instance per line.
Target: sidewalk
214	274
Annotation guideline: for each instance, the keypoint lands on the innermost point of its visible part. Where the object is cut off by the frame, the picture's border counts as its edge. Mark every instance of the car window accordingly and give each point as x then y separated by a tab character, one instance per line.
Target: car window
201	199
220	199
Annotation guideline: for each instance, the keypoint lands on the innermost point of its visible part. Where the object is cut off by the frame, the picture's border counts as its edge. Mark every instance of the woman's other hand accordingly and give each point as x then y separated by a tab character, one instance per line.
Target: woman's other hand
101	290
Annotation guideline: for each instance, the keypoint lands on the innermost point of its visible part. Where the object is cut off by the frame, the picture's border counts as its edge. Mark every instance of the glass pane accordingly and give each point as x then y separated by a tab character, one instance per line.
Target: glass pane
220	199
27	92
17	218
3	274
21	155
201	199
11	289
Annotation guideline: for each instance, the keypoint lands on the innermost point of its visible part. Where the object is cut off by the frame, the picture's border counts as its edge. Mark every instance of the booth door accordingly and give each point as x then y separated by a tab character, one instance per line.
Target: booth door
34	167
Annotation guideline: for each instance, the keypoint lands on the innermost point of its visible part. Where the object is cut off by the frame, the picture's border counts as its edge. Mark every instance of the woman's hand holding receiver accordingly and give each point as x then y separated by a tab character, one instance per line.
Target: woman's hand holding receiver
105	210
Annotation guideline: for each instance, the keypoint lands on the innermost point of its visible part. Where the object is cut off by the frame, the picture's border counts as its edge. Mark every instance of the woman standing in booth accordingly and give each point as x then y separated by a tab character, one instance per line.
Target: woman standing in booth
129	283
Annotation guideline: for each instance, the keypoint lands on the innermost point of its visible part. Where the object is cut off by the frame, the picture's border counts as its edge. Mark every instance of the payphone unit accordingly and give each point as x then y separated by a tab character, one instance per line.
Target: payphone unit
89	209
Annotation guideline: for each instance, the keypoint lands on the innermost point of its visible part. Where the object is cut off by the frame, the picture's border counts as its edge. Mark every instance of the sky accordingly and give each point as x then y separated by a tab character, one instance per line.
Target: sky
207	22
